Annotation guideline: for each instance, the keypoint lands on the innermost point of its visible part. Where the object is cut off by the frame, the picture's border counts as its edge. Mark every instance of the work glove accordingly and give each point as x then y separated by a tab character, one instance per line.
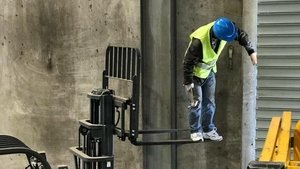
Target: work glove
189	87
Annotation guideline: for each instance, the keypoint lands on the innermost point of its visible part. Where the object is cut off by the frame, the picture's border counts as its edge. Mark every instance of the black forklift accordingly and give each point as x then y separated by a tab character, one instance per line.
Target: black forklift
109	114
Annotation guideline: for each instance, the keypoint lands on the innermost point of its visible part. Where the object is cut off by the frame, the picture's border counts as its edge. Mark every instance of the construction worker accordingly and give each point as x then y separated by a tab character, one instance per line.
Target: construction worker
199	68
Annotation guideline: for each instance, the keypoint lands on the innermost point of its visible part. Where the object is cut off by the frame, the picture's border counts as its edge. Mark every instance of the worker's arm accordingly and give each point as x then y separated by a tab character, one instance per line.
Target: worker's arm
193	55
246	43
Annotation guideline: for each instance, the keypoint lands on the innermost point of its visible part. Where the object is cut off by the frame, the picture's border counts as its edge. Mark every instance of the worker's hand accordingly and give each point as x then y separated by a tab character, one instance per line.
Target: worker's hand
189	87
253	58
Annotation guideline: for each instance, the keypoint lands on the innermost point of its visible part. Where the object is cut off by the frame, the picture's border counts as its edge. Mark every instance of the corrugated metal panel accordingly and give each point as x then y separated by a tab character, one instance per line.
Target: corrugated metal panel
279	63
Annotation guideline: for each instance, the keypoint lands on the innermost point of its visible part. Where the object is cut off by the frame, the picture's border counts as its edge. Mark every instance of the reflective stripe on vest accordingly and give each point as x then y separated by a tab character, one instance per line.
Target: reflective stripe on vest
207	66
210	57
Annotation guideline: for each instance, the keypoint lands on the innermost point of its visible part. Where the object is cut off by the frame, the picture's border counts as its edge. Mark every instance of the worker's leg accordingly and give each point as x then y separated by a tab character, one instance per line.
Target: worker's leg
208	109
195	109
195	112
208	103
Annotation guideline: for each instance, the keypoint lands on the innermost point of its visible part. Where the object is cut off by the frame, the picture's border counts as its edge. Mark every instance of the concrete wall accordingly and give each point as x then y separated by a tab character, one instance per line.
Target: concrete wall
249	86
156	99
51	55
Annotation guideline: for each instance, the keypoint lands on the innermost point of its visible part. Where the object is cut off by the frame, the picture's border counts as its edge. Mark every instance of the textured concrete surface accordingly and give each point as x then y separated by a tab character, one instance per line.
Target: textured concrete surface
51	55
191	15
249	86
156	80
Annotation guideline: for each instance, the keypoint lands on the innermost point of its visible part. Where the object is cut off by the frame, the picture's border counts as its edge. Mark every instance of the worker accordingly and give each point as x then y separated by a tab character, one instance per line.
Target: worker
199	68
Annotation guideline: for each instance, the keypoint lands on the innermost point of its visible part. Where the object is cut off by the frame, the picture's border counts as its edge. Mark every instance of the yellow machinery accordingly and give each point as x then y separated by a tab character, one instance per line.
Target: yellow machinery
276	153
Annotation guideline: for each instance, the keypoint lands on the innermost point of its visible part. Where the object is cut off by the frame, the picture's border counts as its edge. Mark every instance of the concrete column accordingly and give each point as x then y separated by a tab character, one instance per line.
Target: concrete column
249	86
156	46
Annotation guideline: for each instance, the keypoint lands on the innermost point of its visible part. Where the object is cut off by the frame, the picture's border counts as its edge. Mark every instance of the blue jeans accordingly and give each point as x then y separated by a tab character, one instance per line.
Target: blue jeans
201	115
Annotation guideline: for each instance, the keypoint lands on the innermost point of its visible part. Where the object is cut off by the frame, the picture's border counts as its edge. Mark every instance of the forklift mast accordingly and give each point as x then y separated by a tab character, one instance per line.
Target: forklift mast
109	113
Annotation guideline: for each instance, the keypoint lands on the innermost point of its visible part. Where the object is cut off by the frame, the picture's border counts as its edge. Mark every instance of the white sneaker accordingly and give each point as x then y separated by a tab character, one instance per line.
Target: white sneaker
197	136
213	135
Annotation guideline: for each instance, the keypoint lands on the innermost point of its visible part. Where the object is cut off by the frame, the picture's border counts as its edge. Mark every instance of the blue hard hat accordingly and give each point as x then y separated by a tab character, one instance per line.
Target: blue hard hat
225	29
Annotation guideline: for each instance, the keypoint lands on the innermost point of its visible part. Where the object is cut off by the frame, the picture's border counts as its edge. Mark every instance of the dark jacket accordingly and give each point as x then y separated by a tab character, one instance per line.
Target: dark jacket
194	53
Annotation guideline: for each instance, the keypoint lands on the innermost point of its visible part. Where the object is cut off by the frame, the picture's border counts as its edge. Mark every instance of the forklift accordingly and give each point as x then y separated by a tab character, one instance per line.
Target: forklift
112	114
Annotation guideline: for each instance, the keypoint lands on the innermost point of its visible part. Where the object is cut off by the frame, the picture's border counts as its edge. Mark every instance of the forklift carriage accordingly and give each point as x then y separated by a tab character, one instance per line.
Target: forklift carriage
95	146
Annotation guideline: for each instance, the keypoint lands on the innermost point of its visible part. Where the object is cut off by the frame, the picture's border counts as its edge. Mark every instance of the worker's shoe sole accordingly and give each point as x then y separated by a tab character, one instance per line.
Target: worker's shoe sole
197	136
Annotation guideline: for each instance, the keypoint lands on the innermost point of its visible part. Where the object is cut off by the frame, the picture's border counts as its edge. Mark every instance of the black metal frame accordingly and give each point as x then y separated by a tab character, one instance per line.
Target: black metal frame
12	145
95	144
123	63
265	165
95	148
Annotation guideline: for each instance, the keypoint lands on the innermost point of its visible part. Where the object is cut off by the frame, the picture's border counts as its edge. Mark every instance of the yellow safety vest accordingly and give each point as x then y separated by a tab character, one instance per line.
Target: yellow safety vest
210	57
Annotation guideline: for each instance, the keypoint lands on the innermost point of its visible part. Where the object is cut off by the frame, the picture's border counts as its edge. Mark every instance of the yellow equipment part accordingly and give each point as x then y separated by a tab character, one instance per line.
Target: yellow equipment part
277	147
282	151
295	164
270	142
297	142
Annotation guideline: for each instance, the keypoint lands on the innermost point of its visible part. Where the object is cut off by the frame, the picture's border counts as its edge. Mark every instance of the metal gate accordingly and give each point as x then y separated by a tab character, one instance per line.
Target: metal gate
278	83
